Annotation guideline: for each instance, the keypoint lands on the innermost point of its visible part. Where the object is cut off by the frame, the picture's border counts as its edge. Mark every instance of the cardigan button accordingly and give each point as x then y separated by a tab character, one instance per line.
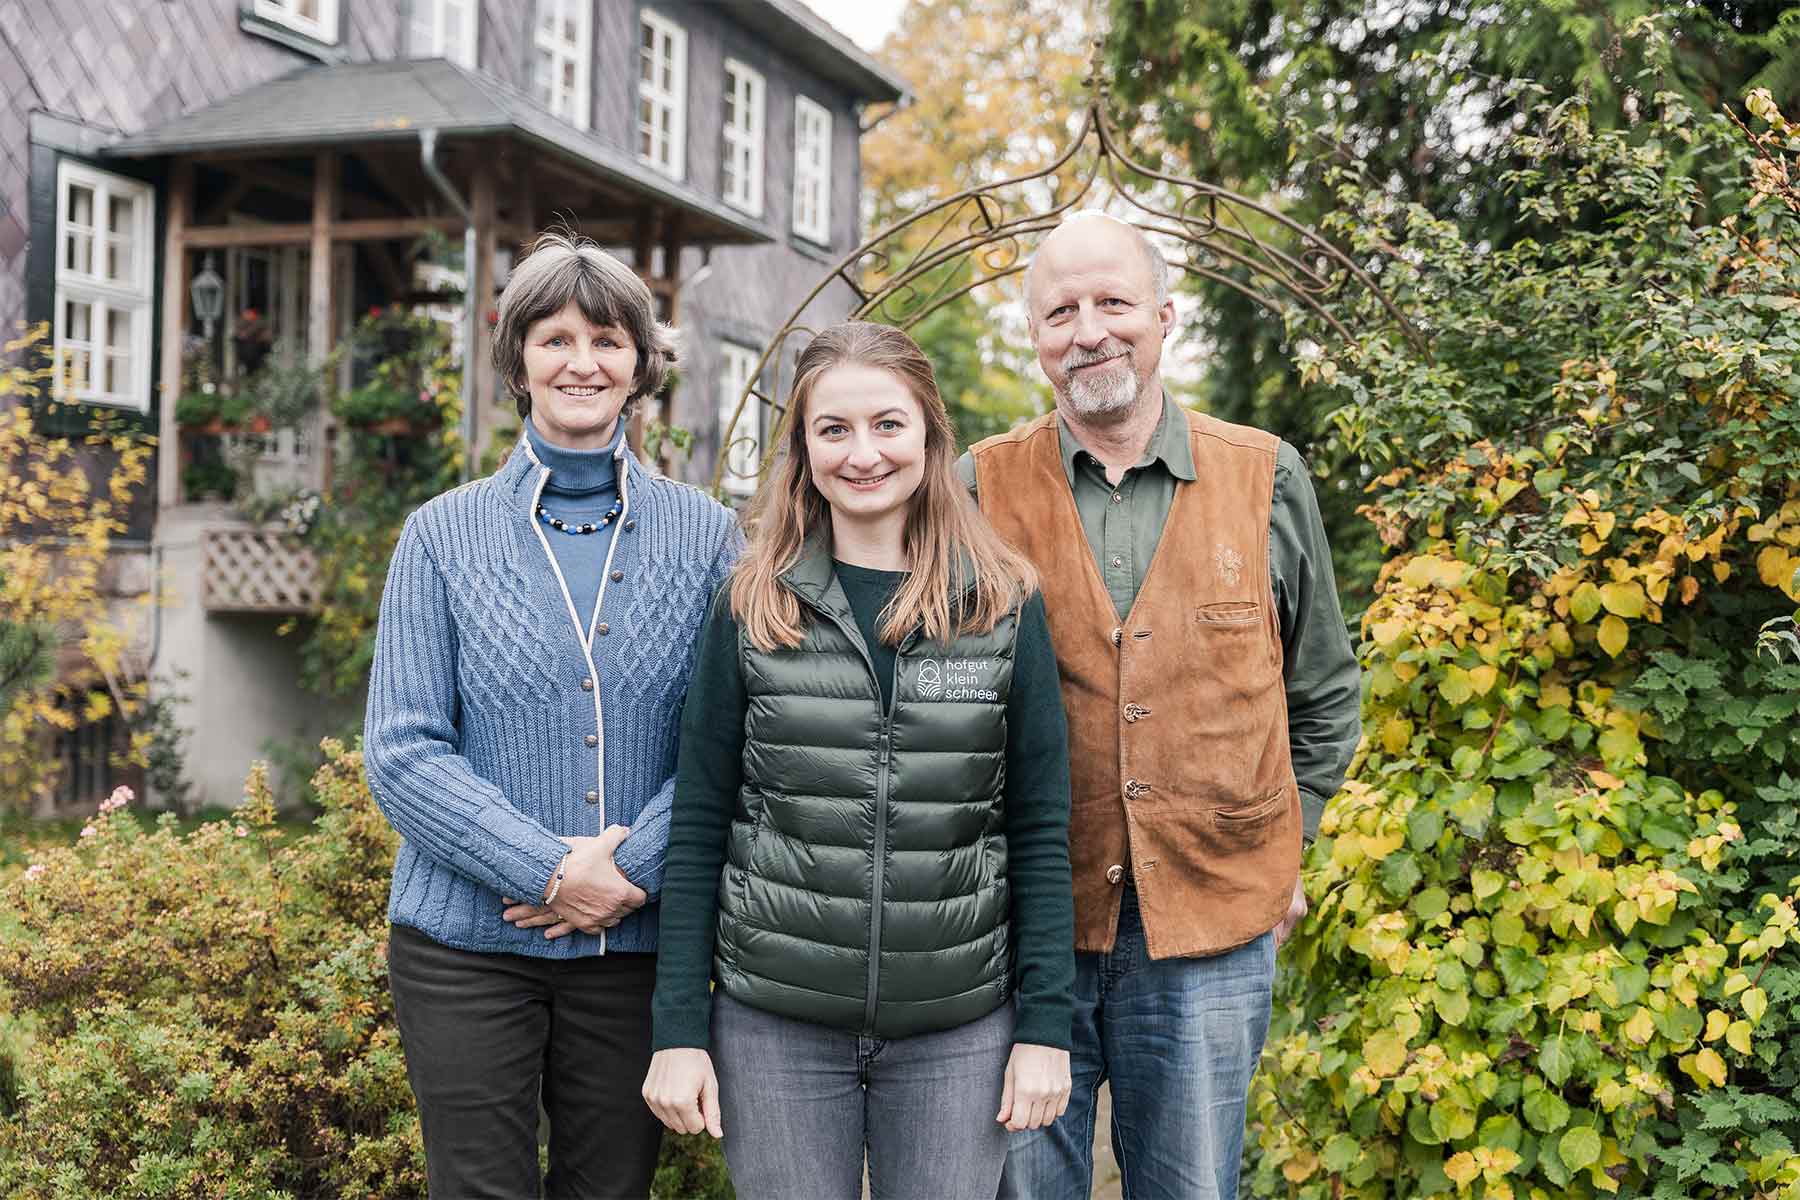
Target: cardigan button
590	741
631	525
1115	874
603	629
617	575
587	685
593	797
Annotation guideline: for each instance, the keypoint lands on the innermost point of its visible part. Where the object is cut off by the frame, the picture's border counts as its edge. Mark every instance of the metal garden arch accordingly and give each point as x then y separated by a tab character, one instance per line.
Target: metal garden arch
990	228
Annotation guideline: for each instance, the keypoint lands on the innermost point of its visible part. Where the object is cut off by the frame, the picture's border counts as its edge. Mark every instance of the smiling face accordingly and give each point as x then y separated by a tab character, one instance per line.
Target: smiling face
865	443
579	376
1096	323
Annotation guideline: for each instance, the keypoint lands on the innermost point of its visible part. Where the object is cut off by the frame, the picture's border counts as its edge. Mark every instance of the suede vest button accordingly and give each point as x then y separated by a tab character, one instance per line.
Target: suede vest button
590	741
1118	636
1134	790
1115	874
1135	712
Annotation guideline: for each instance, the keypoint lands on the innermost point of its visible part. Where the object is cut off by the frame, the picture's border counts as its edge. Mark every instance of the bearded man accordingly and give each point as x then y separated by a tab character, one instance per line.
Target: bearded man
1212	698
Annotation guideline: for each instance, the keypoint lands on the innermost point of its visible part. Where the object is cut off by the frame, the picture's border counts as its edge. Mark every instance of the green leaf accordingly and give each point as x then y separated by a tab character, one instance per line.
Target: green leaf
1423	827
1555	1061
1579	1148
1585	603
1399	874
1509	929
1485	883
1341	1153
1545	1111
1631	982
1429	903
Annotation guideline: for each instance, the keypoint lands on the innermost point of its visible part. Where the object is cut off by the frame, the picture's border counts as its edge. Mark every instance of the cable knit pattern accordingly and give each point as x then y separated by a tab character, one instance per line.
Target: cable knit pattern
475	740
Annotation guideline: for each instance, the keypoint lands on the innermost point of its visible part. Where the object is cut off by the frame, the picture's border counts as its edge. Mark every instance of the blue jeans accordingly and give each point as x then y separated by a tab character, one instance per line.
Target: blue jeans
1179	1039
799	1102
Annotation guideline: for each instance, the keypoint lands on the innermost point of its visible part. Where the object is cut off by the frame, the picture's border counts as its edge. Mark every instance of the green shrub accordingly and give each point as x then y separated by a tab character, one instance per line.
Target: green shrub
206	1014
1553	943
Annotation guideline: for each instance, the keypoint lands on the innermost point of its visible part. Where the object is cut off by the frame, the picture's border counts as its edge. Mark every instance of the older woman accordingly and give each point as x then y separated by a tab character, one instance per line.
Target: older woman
536	638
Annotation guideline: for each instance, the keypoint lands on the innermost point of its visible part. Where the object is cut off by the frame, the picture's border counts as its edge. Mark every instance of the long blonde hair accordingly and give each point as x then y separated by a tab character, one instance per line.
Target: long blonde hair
943	526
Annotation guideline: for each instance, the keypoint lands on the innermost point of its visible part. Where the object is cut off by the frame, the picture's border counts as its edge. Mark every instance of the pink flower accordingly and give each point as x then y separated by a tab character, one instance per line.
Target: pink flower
88	831
34	870
121	796
241	831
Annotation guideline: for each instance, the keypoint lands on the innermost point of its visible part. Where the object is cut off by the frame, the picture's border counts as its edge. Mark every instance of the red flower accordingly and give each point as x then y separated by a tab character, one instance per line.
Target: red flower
493	316
250	314
374	310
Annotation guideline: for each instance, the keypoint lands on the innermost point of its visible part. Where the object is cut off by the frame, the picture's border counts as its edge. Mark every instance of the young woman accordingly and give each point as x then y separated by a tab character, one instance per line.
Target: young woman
869	844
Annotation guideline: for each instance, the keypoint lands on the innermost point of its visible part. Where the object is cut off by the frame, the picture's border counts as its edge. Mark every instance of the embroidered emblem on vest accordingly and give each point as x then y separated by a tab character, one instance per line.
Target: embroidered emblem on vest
1229	562
956	679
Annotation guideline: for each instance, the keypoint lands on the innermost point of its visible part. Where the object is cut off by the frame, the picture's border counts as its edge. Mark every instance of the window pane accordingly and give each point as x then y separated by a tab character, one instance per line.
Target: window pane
116	375
81	205
78	253
118	330
308	9
78	318
543	73
547	17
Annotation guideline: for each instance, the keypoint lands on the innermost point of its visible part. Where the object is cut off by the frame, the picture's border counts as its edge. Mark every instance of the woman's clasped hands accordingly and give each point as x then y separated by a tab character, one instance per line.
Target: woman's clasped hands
593	895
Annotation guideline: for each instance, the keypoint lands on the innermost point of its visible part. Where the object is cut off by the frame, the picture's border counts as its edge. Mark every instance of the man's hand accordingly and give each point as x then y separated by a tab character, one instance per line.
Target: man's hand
593	896
683	1092
1036	1091
1296	910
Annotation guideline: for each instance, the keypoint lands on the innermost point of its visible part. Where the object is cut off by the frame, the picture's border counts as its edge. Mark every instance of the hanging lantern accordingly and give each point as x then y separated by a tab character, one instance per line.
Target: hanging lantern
208	294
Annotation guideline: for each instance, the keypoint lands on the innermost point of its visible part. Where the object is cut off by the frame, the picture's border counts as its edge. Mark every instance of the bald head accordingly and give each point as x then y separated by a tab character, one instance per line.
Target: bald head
1089	221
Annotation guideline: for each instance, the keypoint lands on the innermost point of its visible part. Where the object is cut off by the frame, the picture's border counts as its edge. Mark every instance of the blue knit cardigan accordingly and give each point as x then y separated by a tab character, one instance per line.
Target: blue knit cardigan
493	715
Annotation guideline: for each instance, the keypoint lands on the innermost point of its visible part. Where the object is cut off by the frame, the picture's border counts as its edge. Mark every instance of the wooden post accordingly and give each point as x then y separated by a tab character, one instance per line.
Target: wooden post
671	281
643	249
478	376
174	325
319	307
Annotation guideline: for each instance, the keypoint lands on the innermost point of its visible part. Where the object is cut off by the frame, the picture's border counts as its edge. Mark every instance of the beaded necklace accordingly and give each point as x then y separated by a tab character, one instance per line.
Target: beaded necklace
562	526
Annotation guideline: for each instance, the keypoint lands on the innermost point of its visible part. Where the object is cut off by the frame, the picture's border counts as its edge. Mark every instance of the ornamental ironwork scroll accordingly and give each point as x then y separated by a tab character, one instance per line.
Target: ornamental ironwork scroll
984	234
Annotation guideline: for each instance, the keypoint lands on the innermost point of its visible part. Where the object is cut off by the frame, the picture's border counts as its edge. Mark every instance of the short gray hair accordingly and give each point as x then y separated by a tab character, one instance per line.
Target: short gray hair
558	268
1159	266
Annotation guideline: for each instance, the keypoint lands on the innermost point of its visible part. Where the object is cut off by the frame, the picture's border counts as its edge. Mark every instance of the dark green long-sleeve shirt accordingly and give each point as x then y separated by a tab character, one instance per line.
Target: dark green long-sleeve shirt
1124	522
709	772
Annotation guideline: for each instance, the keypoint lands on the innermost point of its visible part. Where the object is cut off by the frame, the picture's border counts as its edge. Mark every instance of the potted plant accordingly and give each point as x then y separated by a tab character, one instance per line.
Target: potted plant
398	358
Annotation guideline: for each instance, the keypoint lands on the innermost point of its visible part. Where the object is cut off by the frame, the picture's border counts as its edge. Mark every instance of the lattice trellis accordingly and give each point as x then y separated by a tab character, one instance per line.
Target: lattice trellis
247	570
985	234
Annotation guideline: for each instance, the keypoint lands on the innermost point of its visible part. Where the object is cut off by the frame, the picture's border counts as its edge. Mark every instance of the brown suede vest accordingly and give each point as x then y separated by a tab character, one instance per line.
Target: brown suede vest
1178	739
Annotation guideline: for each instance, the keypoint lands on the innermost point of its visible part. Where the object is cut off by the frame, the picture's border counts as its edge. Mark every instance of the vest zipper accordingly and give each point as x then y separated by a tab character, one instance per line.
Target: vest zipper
884	755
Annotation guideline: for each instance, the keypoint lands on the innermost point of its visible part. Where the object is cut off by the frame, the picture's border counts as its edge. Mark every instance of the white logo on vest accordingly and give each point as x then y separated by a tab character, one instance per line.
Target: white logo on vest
1229	563
954	679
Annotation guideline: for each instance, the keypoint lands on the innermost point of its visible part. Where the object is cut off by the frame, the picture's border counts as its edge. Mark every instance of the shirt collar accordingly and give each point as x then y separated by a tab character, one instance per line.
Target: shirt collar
1169	444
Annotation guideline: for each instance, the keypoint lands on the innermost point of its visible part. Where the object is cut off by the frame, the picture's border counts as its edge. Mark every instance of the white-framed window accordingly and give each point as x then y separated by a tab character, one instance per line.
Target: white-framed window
105	265
317	19
662	93
812	171
562	59
740	443
444	29
743	173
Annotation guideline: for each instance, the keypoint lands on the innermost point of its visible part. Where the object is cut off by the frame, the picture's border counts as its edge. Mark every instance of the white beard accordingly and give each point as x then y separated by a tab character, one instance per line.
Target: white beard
1105	395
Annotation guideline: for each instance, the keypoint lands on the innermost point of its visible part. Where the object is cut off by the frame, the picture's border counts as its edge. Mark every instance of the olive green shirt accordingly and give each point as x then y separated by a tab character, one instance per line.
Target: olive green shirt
1124	523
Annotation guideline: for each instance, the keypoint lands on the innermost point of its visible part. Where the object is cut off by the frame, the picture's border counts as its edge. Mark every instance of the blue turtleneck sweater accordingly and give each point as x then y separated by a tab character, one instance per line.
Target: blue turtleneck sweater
583	486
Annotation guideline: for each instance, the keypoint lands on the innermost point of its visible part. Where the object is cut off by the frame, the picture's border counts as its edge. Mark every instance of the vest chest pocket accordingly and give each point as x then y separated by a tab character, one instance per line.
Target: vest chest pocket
1230	612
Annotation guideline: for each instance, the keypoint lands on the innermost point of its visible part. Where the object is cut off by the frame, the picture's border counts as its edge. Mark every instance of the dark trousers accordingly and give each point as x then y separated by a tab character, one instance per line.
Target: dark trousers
487	1035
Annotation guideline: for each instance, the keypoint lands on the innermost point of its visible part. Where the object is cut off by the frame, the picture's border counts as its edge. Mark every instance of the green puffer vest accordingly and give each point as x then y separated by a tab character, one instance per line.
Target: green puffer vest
864	884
